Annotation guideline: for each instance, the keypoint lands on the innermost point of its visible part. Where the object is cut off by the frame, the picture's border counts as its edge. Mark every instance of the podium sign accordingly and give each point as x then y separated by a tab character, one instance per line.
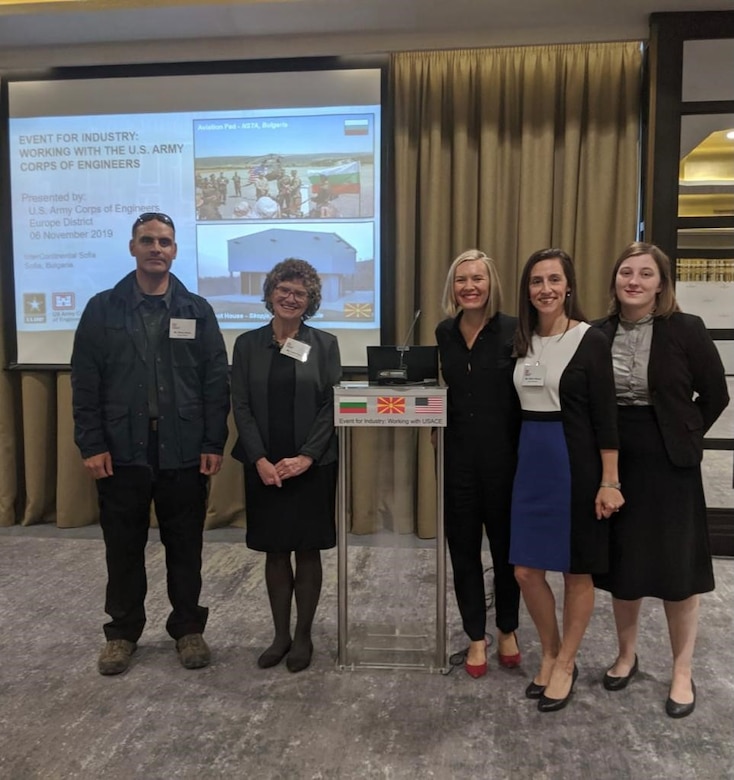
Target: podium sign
407	642
390	405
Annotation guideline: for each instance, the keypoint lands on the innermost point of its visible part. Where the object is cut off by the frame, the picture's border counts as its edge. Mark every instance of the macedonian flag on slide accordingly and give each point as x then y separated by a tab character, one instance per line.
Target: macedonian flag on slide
390	405
358	310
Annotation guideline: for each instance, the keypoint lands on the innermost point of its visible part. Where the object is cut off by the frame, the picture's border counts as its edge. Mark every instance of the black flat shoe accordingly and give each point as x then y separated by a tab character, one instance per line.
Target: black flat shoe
675	710
534	691
546	704
273	656
619	683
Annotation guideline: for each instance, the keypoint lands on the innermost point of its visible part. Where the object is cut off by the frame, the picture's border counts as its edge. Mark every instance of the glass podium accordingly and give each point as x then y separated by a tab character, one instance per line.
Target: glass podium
391	584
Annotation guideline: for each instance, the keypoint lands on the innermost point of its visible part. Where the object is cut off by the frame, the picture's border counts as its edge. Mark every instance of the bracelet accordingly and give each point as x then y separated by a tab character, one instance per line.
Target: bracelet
615	485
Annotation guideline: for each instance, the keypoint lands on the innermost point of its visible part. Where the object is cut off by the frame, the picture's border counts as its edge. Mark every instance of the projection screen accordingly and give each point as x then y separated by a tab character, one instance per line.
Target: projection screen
253	167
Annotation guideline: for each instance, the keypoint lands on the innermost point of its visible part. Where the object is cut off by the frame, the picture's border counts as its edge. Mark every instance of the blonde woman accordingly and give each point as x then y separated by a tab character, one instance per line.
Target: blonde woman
475	345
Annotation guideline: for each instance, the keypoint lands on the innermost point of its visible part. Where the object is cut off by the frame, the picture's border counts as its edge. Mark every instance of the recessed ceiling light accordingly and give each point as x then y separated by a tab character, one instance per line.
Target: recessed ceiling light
730	135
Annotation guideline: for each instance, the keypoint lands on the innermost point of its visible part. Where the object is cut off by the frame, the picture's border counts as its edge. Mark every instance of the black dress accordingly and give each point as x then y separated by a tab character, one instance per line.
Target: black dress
659	539
300	515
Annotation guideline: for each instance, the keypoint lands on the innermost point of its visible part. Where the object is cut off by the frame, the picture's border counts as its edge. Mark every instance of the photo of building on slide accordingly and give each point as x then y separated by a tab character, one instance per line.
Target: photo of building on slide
233	263
301	167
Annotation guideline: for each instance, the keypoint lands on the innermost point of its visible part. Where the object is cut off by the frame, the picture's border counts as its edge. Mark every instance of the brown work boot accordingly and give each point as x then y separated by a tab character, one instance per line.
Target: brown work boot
115	656
193	651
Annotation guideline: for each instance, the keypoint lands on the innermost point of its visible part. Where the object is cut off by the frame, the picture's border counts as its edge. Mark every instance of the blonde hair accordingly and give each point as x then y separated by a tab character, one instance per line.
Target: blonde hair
494	300
666	302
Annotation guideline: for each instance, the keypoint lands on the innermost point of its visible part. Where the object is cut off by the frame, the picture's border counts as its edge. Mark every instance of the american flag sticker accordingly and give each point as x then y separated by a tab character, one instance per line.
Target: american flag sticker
429	405
353	405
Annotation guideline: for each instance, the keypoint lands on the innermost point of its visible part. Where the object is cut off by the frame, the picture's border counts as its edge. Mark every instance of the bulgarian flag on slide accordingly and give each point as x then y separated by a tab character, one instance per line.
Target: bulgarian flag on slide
343	178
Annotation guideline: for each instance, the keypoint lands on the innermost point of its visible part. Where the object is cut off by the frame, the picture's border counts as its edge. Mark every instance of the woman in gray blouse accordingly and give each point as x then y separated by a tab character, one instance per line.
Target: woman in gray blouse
670	387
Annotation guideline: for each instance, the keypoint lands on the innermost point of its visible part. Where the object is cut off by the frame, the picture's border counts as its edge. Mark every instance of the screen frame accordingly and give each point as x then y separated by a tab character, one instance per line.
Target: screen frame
199	68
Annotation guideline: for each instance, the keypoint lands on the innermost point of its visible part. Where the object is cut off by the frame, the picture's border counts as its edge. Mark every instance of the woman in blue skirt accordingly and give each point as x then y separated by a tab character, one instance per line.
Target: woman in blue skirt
566	486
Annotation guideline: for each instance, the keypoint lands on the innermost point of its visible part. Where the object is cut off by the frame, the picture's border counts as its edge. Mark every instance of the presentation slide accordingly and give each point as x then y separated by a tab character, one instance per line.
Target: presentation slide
250	173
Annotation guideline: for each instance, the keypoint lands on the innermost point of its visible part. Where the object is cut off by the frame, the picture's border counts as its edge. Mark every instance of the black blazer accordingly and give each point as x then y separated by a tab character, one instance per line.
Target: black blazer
683	362
482	402
314	397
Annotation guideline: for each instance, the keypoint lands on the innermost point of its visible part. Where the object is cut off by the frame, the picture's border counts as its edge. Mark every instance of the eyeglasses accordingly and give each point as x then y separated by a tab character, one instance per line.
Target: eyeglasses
285	292
149	216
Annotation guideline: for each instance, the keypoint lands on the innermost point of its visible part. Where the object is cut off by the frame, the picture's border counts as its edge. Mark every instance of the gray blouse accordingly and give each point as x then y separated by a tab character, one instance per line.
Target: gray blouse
630	358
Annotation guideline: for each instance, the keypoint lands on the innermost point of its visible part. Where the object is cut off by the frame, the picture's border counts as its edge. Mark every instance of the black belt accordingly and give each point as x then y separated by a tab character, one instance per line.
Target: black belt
153	423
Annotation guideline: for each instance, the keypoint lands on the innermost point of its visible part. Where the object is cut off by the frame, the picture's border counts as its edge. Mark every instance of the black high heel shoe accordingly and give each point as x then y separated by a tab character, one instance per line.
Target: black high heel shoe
546	704
534	691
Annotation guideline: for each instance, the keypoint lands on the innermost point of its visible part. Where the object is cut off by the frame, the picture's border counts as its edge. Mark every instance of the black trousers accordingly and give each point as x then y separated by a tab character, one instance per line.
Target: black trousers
477	498
180	504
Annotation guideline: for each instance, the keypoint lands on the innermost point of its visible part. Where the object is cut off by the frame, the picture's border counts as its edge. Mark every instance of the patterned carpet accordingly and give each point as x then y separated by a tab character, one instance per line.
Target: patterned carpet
60	719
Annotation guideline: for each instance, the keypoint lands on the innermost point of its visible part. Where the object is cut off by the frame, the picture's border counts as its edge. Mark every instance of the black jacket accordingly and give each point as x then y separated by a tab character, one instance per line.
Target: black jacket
314	397
482	402
109	381
683	362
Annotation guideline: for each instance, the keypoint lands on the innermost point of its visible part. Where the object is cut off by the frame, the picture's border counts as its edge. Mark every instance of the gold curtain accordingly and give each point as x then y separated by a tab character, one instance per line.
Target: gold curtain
509	150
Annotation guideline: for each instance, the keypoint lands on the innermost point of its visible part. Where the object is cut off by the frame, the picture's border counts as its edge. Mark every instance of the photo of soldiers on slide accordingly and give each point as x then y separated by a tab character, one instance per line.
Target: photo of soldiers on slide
300	187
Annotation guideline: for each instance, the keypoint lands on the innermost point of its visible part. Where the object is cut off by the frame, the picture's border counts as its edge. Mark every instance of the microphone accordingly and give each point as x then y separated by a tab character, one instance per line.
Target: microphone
399	375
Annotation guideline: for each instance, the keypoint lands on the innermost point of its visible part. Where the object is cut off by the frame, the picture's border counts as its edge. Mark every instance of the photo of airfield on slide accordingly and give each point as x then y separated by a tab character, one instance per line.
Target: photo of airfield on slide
292	167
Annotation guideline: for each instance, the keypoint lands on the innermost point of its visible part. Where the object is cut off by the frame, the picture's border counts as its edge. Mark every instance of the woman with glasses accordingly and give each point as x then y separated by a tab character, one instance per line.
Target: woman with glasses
283	376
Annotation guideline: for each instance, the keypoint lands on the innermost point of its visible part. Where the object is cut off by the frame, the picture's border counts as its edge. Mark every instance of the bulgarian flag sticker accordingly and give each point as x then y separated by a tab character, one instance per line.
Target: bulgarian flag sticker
353	405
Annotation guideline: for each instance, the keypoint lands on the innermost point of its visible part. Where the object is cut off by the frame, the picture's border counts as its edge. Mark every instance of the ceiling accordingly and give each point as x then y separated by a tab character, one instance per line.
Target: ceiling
359	25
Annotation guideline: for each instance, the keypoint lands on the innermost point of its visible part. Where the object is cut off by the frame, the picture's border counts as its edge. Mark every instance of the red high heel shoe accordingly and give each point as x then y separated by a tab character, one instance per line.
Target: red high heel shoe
477	670
510	661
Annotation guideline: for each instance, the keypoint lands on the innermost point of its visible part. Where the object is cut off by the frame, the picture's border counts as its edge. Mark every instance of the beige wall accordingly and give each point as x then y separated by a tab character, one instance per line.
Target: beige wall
267	47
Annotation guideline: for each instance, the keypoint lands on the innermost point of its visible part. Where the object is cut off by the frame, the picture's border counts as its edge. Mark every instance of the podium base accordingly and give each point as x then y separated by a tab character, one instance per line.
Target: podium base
385	646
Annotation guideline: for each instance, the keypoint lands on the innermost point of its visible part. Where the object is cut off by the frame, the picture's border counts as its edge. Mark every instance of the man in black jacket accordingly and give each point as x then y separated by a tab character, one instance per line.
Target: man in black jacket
151	398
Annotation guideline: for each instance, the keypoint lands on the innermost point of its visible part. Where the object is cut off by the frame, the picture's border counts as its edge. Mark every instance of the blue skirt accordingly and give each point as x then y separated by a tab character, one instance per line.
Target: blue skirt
541	496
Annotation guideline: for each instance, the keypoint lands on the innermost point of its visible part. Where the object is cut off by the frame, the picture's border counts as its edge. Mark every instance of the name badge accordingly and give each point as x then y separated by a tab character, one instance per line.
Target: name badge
182	329
533	376
296	349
